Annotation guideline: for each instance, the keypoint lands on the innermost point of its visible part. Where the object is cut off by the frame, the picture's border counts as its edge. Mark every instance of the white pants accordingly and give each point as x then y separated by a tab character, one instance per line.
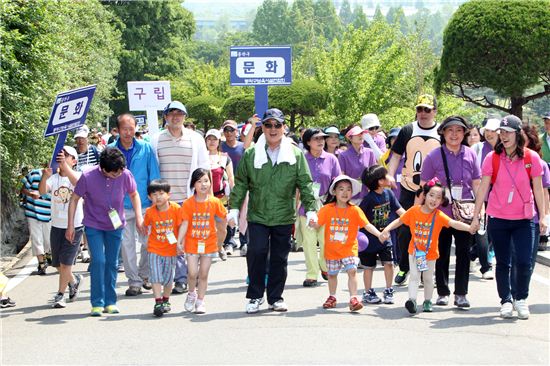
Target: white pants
427	277
40	236
131	242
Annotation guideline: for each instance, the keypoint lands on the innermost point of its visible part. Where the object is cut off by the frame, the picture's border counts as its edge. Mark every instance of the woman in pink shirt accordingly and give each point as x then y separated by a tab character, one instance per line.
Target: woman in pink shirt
511	210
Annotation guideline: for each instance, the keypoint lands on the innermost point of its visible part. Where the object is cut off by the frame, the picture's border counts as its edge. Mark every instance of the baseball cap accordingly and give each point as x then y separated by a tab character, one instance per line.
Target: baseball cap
229	123
213	132
393	133
354	131
71	151
492	125
82	132
175	105
355	185
426	100
546	116
370	120
510	123
275	114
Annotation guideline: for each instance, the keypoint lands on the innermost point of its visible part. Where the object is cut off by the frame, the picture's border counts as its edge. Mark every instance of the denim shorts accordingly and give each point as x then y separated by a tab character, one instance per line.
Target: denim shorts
335	265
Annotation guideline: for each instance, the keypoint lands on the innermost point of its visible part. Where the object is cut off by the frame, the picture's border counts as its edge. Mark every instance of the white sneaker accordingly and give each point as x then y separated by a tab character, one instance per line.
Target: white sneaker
59	301
522	309
229	249
200	308
190	301
278	306
253	305
506	310
488	275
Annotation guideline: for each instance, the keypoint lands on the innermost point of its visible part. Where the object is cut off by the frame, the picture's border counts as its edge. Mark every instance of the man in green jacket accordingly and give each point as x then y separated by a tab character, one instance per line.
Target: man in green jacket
545	138
271	171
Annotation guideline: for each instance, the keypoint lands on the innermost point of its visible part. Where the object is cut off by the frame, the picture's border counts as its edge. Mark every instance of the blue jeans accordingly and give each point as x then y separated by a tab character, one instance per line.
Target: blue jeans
514	274
181	270
512	236
104	247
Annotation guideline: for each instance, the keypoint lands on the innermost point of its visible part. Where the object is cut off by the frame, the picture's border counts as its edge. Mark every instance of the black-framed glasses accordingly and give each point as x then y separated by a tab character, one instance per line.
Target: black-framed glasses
374	128
277	126
228	129
423	109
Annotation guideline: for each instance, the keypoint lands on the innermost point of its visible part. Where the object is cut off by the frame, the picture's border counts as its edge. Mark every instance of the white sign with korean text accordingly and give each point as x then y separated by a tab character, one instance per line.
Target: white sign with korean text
260	67
146	95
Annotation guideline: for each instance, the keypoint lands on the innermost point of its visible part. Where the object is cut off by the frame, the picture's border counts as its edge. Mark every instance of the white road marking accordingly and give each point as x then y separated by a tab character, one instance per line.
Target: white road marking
540	279
22	275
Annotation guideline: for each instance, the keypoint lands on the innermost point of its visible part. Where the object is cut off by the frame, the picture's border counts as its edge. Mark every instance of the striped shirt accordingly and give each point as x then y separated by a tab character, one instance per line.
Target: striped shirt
175	154
40	208
86	159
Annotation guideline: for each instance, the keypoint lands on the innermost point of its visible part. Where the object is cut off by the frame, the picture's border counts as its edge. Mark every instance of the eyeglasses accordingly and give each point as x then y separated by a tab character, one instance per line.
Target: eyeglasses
374	128
277	126
423	109
228	129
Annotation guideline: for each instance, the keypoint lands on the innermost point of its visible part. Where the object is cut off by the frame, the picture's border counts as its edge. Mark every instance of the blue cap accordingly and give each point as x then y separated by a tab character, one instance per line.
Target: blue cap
275	114
175	105
393	133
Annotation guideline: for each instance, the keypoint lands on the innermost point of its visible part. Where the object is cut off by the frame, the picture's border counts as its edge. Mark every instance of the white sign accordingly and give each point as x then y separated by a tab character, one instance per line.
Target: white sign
69	111
145	95
260	67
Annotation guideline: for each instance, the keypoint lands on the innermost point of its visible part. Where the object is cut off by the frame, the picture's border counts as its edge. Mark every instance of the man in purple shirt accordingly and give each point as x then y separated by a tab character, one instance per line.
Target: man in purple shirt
356	158
103	188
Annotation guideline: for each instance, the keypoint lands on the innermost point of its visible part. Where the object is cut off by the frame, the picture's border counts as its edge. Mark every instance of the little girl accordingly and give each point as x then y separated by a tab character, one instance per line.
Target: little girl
425	222
197	236
342	221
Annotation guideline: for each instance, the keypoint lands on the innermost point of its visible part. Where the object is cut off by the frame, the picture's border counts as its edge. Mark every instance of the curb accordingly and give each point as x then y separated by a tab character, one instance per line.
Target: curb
544	259
17	258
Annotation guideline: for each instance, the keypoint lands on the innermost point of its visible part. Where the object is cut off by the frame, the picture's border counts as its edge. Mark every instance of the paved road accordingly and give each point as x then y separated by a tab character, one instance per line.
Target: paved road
34	333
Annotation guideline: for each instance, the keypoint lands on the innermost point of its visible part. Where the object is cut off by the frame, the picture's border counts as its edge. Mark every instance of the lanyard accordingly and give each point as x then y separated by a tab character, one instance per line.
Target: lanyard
513	178
429	235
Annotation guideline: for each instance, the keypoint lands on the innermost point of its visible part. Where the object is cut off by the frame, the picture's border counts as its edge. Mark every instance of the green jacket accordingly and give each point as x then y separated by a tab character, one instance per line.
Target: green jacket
272	189
545	147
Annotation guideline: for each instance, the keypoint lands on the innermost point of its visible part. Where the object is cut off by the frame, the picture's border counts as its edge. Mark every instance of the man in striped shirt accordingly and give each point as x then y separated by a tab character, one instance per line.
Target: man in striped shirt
38	213
180	151
88	156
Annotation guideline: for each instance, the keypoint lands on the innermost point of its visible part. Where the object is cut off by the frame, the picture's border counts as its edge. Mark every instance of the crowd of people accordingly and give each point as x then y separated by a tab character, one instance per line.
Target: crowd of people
350	198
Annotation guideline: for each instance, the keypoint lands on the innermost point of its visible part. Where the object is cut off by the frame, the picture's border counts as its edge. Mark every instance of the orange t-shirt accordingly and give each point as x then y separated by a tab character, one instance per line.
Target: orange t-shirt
420	223
161	223
341	226
201	223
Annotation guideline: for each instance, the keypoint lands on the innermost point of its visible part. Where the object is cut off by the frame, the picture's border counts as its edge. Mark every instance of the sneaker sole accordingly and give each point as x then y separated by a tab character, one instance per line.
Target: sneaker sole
523	317
58	306
507	315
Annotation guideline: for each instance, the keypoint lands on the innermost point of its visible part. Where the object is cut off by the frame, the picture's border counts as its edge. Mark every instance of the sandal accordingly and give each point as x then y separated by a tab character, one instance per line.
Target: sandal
330	303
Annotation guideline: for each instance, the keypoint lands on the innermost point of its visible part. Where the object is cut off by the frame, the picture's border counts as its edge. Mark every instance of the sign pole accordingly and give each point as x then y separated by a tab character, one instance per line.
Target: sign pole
152	122
260	99
60	142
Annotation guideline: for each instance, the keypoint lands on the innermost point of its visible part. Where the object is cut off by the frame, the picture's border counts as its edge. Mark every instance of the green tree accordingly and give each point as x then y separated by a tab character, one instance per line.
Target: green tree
359	17
238	107
378	16
504	46
303	98
327	23
205	110
272	24
345	14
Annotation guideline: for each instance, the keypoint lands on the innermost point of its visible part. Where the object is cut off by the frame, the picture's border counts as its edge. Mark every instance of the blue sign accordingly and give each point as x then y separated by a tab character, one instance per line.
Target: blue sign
140	119
69	110
255	65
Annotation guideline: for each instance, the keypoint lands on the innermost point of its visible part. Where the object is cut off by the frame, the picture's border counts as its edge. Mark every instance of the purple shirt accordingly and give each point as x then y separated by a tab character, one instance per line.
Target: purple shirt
235	153
380	141
101	194
545	184
353	164
463	170
323	170
486	149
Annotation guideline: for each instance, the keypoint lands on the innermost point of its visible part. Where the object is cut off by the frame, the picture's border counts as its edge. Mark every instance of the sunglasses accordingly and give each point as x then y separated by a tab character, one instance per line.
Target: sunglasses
423	109
228	129
271	126
373	128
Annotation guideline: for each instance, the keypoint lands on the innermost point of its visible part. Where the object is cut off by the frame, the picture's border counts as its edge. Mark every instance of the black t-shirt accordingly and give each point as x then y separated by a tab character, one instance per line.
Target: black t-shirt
380	210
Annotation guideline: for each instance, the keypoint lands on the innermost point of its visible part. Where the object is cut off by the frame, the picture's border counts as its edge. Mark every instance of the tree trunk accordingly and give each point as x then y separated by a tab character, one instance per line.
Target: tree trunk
517	106
292	121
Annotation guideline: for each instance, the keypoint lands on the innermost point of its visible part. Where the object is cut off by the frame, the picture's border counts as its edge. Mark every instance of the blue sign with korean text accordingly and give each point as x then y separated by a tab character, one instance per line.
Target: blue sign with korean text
255	65
69	110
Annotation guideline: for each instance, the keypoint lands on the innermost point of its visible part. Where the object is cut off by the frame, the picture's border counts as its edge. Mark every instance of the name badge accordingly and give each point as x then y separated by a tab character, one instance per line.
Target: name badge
115	219
421	261
171	237
200	247
339	236
456	191
398	178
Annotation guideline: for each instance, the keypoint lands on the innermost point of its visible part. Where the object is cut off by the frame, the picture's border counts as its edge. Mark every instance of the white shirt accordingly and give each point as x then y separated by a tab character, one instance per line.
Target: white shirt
61	191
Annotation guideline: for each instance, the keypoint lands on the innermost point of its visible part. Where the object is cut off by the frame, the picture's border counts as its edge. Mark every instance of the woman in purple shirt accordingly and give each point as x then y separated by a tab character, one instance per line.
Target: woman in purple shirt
464	177
356	159
103	188
324	167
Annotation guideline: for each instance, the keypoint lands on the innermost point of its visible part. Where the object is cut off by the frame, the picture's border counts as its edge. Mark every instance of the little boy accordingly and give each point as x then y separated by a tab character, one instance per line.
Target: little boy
61	186
163	219
379	205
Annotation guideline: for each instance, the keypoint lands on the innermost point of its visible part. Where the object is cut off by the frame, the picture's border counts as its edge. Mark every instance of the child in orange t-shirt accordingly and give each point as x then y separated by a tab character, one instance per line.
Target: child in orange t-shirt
198	238
425	222
342	221
163	219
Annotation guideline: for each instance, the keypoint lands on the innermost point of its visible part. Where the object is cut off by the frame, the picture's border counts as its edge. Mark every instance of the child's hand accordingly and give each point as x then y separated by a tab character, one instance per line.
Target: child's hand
179	249
313	225
384	236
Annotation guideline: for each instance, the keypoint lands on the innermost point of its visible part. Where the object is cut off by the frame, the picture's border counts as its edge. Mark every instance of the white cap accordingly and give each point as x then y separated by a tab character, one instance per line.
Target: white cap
492	125
370	120
71	151
355	185
82	132
213	132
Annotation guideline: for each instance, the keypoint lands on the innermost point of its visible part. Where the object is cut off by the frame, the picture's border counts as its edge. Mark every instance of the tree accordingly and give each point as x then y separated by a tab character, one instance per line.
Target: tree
272	24
504	46
155	35
326	23
303	97
359	17
238	107
345	14
206	110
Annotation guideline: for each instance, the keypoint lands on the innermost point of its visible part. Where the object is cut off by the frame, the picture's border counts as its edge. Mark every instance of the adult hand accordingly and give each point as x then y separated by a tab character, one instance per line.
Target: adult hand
34	194
233	217
179	249
544	225
391	180
474	226
140	227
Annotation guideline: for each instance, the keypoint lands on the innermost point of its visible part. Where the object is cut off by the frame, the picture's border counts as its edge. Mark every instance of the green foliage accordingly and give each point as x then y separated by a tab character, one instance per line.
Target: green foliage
345	14
303	97
206	110
359	17
504	46
238	107
46	49
272	23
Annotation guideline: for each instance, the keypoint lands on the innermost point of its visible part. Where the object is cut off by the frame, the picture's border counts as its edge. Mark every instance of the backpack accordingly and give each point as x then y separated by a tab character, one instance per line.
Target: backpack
526	159
219	178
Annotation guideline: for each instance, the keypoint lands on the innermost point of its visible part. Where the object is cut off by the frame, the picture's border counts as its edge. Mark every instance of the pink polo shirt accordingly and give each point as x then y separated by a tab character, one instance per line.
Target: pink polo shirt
512	177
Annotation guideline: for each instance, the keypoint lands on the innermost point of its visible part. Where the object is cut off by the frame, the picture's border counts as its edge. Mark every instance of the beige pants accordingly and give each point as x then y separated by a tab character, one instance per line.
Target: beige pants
40	236
315	261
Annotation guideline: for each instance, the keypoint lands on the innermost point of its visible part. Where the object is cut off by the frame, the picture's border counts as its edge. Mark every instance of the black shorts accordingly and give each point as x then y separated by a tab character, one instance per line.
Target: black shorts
64	252
368	259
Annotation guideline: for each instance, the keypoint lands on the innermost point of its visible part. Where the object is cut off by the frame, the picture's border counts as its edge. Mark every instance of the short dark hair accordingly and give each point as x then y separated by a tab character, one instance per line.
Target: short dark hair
198	174
112	159
308	134
158	185
372	175
129	115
